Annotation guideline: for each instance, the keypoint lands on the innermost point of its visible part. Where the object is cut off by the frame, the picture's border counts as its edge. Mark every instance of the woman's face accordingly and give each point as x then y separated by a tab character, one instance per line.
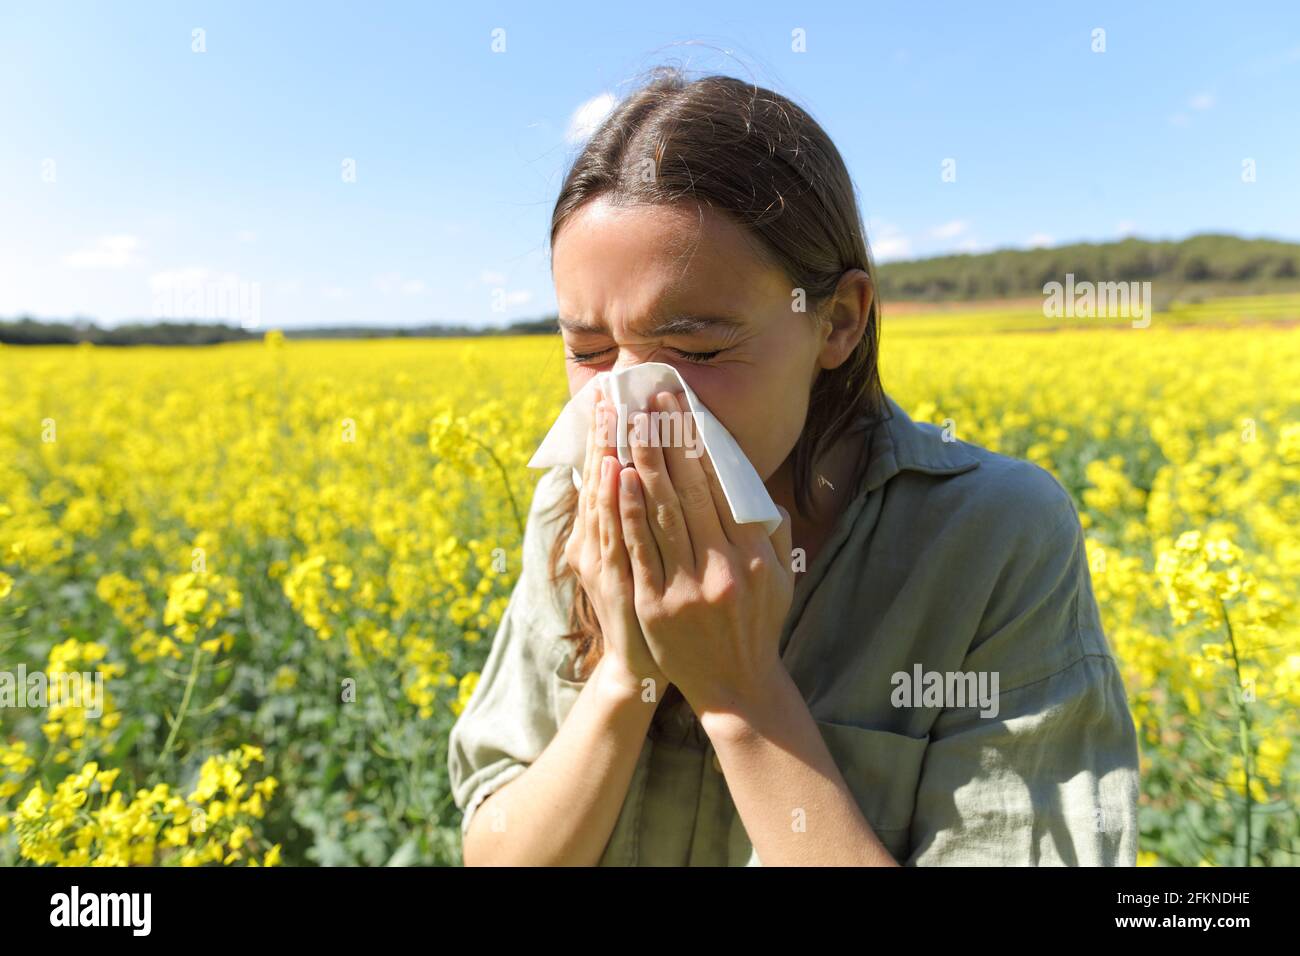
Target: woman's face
623	274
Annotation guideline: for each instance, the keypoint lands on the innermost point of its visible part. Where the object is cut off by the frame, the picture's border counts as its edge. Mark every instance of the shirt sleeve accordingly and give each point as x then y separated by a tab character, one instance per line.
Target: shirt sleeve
1049	776
510	718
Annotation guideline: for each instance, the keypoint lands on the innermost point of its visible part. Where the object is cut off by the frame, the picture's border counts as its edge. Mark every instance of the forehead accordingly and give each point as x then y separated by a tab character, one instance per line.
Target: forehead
611	261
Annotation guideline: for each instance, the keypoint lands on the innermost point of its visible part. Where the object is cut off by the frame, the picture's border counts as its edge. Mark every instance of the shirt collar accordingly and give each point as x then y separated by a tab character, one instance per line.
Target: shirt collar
900	444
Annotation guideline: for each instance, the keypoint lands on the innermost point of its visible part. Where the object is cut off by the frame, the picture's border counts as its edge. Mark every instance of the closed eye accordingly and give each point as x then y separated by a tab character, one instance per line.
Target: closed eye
581	357
584	357
698	356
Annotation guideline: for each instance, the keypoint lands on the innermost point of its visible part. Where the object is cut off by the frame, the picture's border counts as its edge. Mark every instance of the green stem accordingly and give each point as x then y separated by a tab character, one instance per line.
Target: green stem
185	706
1243	727
505	480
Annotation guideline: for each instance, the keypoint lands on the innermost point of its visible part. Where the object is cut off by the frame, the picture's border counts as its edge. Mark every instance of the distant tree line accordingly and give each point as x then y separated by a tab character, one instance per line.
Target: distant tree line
29	331
1207	259
1223	264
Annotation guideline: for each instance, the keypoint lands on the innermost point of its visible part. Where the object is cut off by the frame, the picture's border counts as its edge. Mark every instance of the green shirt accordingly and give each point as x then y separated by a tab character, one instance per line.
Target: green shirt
949	559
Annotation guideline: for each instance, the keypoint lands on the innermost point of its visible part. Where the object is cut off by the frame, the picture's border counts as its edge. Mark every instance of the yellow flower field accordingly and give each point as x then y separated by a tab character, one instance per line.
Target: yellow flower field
286	559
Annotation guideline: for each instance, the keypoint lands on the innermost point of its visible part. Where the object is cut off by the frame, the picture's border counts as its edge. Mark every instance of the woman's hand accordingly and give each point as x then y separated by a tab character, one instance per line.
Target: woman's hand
596	552
711	595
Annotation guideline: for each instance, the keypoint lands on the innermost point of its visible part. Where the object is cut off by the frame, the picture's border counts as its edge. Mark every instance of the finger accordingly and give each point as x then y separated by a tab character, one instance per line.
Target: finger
577	542
612	553
591	442
643	552
592	491
692	487
607	432
664	512
735	532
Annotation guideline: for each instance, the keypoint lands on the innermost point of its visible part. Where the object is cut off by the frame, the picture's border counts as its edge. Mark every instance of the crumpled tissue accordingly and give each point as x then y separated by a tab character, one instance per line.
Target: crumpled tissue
630	389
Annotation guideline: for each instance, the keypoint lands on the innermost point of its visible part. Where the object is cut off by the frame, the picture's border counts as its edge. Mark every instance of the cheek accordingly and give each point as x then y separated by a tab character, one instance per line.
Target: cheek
764	415
768	440
579	375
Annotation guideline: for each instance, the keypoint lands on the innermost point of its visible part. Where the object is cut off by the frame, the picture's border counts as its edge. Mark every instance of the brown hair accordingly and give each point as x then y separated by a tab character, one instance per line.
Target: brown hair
756	156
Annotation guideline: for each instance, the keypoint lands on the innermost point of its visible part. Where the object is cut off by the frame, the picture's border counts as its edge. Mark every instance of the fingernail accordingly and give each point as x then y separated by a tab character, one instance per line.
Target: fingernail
627	480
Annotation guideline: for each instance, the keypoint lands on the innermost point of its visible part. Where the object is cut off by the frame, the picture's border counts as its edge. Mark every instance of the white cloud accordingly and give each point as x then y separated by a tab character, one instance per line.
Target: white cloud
887	241
107	252
891	247
516	297
588	116
246	235
391	282
949	230
1126	228
1202	101
333	292
191	278
971	245
185	278
1179	119
1039	239
502	296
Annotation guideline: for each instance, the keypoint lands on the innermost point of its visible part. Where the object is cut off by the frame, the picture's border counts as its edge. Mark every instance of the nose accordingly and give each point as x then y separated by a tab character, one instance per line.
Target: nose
625	360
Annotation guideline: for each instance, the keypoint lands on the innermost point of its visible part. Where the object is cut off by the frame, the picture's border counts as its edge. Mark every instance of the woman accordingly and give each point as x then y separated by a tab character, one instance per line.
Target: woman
910	670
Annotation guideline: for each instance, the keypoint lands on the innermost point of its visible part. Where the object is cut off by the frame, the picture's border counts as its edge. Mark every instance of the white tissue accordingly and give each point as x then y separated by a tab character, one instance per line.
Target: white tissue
630	389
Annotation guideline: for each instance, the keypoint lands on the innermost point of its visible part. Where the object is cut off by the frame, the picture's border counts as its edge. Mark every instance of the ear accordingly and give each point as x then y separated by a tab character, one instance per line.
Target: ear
844	317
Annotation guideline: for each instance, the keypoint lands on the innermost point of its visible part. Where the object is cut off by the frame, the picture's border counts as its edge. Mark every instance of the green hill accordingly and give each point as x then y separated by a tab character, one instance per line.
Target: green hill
1195	268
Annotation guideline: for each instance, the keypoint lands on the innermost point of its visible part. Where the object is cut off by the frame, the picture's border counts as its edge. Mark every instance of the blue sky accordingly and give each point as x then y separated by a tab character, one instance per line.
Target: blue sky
133	169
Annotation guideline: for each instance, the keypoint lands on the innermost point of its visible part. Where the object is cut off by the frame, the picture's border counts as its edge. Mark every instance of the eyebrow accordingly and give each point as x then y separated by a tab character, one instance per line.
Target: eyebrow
673	325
